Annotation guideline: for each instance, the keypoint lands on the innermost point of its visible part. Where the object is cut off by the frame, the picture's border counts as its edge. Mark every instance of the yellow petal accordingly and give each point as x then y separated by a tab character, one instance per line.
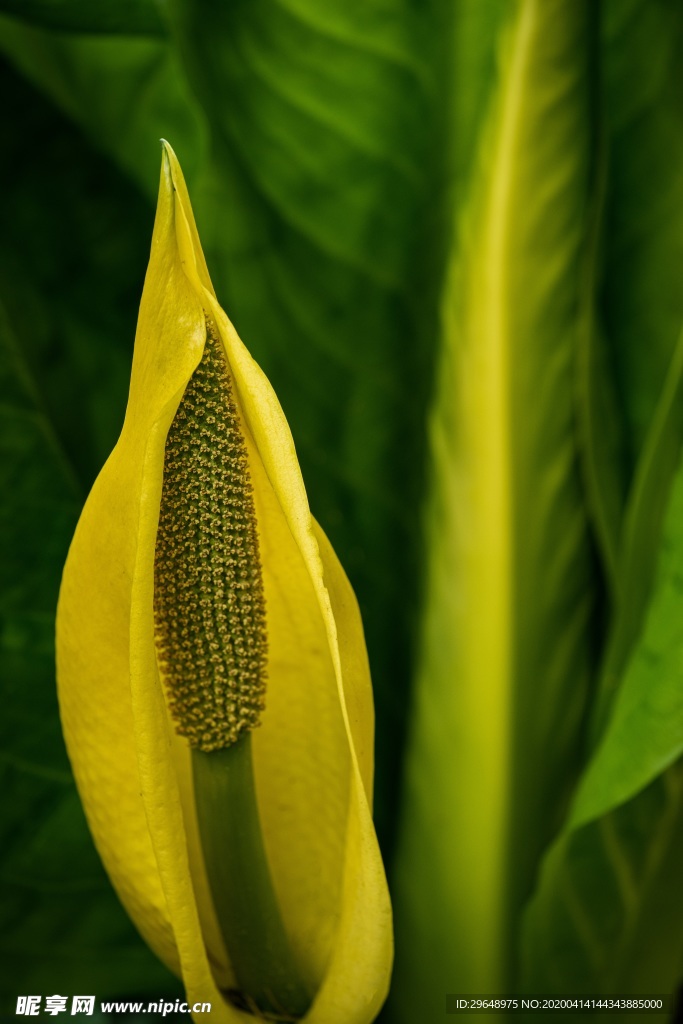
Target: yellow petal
313	752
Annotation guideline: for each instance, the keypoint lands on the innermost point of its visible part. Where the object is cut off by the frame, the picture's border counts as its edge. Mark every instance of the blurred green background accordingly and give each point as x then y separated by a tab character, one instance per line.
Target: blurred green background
329	149
319	223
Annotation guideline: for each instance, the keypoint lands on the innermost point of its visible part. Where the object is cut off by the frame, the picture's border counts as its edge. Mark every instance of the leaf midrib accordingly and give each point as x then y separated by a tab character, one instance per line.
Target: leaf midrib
497	737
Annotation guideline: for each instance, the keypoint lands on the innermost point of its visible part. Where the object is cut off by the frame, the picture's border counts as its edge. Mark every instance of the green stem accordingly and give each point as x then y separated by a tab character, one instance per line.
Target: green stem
240	881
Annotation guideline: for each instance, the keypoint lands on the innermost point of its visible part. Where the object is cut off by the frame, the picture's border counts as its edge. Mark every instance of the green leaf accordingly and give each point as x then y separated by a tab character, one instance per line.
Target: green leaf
312	102
125	93
606	918
128	17
75	259
601	919
506	638
644	734
642	300
641	535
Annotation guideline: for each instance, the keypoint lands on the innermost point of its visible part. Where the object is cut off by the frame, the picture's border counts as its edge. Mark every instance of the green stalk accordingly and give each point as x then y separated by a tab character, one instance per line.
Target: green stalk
239	877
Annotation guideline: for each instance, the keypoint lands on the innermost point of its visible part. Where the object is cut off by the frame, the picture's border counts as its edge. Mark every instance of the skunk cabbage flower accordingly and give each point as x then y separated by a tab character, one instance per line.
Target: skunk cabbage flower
199	601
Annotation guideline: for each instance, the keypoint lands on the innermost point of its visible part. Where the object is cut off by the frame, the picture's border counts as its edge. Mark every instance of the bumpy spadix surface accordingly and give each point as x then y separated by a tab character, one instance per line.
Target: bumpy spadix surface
208	590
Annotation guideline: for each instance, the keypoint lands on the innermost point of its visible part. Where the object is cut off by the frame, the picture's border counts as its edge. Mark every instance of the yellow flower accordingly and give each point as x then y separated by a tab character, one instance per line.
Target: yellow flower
313	752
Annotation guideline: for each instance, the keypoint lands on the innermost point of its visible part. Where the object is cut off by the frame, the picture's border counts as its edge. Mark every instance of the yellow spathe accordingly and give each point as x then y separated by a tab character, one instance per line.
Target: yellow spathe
314	750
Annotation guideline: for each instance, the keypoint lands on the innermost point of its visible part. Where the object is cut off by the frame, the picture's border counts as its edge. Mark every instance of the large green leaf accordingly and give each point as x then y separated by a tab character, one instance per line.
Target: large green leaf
506	644
65	342
602	917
